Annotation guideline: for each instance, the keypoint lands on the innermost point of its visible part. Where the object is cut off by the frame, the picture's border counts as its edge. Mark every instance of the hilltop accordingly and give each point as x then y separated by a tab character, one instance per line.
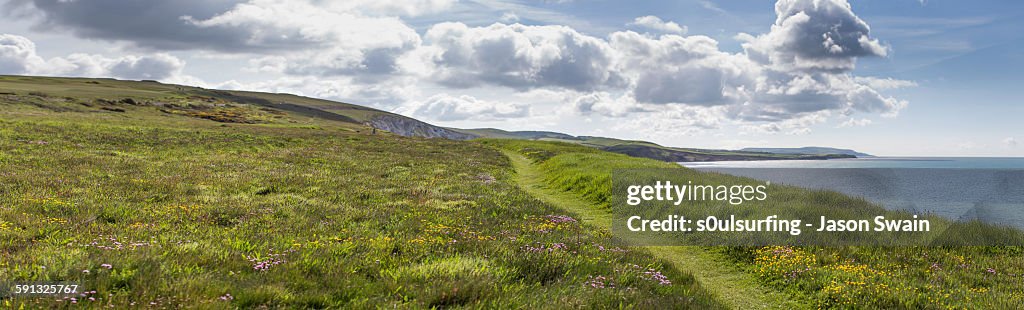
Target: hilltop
816	150
115	96
652	150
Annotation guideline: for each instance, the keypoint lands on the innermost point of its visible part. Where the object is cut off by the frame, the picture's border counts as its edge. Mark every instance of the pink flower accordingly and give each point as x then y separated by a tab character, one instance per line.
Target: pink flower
108	266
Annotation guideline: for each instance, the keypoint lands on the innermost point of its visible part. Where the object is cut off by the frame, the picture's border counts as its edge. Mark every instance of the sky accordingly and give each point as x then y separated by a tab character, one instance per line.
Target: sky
887	77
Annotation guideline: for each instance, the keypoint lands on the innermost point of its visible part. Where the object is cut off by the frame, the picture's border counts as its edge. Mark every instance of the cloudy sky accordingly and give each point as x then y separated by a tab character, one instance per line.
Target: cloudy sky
900	77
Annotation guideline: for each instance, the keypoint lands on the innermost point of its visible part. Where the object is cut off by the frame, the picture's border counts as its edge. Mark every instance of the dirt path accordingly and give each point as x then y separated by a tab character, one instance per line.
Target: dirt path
736	288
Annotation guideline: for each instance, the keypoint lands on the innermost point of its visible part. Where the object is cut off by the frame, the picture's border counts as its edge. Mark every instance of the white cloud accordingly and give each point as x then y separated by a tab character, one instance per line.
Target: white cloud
18	56
363	51
814	35
672	121
509	17
391	7
443	107
305	24
385	95
519	56
155	67
602	103
884	83
1010	142
676	69
853	122
655	23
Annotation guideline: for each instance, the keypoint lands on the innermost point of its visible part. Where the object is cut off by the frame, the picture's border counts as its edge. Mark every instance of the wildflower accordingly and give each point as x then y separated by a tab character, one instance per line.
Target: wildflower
108	266
227	297
990	270
86	271
598	282
558	219
657	276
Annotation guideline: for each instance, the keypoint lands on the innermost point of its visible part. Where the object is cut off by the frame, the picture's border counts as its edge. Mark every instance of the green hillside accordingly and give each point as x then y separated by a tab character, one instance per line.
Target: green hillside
213	200
225	106
161	196
872	277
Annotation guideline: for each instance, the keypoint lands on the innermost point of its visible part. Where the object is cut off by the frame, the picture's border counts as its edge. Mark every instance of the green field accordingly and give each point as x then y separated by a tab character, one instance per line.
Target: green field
153	195
960	277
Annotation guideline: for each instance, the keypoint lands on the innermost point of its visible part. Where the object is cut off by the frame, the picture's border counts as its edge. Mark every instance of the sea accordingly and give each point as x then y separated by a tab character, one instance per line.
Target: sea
958	188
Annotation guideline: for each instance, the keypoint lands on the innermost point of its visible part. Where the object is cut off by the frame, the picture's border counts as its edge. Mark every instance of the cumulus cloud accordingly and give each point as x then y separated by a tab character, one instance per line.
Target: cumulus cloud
18	56
277	24
673	121
676	69
797	73
509	17
1010	142
519	56
655	23
391	7
385	95
603	103
231	25
814	35
153	24
304	37
444	107
801	67
155	67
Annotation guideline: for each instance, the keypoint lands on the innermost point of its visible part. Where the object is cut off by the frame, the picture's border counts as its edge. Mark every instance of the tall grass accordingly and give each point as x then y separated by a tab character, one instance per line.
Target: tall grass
940	277
152	209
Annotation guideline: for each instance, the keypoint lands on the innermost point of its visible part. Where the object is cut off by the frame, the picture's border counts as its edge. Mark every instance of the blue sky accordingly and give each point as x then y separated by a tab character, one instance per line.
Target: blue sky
928	78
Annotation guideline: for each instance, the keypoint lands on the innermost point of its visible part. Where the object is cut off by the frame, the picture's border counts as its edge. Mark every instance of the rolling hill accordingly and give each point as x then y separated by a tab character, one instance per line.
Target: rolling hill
195	101
169	196
114	96
652	150
814	150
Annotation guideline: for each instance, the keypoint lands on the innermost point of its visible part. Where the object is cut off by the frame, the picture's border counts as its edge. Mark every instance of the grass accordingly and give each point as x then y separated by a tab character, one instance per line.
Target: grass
951	277
731	285
145	208
190	198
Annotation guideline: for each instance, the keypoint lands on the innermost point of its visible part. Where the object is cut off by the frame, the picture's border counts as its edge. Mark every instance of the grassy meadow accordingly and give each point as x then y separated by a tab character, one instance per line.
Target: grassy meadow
184	204
960	277
157	196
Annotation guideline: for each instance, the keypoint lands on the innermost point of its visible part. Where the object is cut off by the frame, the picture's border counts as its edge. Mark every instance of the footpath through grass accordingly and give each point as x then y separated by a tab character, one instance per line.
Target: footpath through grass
912	277
714	272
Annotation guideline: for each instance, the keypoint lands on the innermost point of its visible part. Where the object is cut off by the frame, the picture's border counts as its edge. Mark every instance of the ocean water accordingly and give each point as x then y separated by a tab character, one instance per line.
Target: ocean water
988	189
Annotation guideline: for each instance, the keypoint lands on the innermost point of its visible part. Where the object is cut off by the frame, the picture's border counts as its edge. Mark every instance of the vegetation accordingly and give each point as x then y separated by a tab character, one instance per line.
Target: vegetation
650	150
148	208
154	195
829	277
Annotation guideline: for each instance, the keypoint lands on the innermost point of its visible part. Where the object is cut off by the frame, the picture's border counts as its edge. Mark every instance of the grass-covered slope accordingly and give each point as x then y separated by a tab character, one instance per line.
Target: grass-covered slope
148	208
109	95
827	277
